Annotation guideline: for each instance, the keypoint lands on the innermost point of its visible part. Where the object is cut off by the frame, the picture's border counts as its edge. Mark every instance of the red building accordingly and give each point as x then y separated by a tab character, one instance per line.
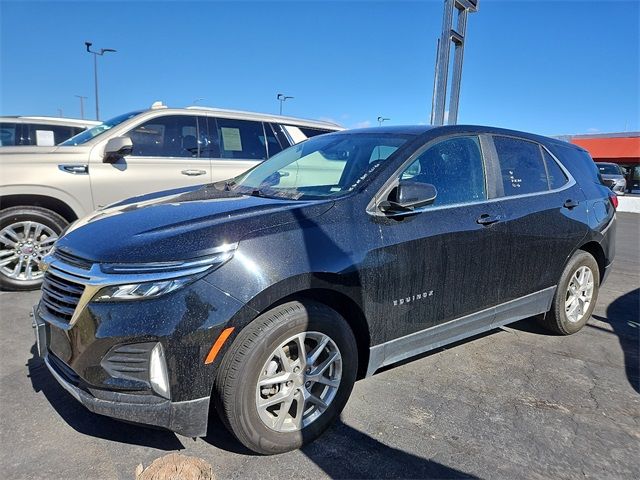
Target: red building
620	148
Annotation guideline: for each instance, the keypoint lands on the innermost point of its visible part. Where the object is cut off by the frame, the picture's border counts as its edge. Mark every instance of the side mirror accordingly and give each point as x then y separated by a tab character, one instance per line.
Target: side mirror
408	196
117	148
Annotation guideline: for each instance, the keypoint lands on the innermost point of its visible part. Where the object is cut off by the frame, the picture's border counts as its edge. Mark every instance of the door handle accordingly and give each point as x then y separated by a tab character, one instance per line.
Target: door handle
193	172
570	204
486	219
74	169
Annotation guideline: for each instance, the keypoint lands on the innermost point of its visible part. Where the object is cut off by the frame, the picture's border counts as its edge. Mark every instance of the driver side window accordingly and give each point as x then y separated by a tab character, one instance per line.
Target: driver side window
455	167
170	136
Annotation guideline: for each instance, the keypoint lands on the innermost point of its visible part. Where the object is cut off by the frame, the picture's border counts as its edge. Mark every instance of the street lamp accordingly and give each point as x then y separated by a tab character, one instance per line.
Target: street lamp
82	99
281	98
100	52
382	119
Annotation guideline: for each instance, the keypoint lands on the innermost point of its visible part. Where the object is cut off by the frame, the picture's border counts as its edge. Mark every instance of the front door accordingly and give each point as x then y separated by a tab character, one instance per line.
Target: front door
446	261
166	154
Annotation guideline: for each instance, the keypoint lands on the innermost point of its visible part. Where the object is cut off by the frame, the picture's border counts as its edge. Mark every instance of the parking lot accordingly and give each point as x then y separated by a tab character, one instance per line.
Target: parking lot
516	402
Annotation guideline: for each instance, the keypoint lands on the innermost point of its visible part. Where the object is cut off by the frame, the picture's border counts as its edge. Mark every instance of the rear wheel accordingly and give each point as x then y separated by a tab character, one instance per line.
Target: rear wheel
576	295
26	235
287	377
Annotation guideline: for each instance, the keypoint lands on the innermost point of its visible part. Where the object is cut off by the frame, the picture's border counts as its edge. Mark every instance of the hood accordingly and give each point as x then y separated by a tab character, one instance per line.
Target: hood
26	149
178	225
35	150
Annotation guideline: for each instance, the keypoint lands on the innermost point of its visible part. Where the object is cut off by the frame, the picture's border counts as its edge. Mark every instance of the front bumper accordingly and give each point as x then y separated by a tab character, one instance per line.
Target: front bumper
100	352
187	418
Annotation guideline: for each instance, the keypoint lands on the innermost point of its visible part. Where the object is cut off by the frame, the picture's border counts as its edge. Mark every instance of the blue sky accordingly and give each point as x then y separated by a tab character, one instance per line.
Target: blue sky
547	67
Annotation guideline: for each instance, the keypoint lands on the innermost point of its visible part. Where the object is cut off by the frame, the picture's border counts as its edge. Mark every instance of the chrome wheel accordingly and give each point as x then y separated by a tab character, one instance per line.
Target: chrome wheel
298	382
22	246
579	294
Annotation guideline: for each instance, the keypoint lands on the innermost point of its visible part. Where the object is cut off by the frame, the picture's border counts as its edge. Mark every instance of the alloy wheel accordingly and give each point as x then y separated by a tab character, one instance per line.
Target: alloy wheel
579	294
298	382
22	247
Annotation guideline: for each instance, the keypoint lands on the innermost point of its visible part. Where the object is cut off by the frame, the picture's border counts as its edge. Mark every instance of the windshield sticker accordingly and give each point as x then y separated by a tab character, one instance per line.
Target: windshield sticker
231	141
363	176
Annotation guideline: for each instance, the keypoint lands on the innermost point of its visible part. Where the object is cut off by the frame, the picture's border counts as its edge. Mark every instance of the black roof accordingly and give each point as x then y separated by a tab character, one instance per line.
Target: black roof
430	130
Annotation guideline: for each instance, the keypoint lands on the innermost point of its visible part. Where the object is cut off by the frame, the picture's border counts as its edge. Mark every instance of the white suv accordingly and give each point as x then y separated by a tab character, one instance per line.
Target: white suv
42	189
45	131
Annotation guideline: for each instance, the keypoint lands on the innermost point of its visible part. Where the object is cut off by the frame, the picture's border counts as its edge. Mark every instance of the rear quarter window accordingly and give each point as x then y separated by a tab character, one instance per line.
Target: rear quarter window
557	177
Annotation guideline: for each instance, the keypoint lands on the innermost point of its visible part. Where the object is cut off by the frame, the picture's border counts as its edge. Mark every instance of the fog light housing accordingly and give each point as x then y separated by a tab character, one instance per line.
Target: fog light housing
158	376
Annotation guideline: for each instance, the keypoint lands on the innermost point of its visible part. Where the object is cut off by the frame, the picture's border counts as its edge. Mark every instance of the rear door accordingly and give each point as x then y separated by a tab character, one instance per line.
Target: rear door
166	154
545	215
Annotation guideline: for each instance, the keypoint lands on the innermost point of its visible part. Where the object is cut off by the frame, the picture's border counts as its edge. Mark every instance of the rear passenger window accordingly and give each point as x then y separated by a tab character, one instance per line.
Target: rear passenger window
242	139
454	167
557	178
521	166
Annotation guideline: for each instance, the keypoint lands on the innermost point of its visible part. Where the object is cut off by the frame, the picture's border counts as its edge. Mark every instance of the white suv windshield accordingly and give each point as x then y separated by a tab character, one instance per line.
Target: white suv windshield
325	166
87	135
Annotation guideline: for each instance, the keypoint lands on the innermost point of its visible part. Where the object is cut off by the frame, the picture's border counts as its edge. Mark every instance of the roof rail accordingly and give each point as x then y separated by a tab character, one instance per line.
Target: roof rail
273	116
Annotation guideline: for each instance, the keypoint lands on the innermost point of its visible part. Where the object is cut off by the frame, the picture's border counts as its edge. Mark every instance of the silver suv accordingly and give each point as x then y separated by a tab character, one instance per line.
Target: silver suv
43	189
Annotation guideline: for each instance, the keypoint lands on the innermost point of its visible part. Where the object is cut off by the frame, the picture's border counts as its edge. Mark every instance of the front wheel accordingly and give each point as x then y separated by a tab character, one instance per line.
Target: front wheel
26	235
287	377
575	296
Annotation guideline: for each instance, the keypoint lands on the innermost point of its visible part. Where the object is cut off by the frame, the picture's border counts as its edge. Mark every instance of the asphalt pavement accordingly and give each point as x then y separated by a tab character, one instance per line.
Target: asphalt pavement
516	402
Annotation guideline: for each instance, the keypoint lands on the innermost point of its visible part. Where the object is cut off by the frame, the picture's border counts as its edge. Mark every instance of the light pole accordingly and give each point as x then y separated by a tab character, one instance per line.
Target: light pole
100	52
60	112
282	98
382	119
82	99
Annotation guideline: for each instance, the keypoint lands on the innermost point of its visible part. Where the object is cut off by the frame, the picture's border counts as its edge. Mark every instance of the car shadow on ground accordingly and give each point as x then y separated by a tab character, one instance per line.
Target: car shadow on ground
345	452
89	423
623	316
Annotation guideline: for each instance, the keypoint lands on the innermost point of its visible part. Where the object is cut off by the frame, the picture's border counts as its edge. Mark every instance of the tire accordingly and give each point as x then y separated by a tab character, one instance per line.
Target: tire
253	356
45	227
560	319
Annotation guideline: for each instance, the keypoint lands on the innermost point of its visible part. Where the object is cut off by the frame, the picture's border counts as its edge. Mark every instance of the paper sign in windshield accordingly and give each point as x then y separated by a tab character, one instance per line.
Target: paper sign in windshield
44	138
231	141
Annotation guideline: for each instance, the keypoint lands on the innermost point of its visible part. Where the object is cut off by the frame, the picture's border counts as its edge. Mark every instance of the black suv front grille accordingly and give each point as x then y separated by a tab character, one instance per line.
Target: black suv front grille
60	297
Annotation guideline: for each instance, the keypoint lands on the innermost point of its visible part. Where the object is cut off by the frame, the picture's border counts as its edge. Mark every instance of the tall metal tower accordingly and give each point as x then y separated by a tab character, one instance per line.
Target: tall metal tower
441	77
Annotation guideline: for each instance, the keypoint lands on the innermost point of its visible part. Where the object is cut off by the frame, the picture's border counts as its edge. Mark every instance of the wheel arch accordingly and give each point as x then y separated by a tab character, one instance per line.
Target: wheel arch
307	287
597	252
32	200
348	309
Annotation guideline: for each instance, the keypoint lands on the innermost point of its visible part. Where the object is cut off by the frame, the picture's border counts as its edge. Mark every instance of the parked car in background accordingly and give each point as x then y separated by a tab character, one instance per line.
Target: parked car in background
613	177
44	131
43	189
268	295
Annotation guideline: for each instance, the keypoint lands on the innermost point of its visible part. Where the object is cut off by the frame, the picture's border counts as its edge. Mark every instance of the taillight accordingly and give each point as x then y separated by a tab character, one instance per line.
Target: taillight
614	200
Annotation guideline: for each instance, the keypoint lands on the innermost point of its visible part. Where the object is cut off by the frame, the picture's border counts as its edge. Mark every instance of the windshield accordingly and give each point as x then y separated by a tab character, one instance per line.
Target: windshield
326	166
608	169
87	135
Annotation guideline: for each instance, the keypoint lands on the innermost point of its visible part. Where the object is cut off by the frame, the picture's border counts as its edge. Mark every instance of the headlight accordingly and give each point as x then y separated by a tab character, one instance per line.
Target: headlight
135	291
134	281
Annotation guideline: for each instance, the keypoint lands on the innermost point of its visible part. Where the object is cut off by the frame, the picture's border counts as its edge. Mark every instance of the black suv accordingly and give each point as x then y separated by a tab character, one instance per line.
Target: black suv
268	295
